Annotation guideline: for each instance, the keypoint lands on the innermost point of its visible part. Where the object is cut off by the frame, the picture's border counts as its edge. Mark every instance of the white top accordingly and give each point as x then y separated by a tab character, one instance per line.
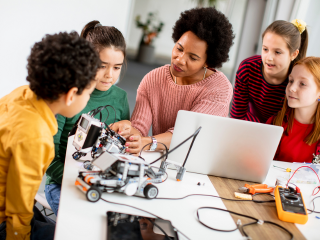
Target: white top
82	219
77	217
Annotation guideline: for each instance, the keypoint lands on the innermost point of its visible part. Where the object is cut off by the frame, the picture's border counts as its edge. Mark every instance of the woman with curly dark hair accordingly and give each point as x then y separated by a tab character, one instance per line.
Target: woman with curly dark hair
110	44
203	37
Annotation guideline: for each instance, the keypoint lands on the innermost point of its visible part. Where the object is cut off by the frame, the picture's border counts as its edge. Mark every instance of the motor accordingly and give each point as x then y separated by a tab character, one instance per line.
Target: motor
93	135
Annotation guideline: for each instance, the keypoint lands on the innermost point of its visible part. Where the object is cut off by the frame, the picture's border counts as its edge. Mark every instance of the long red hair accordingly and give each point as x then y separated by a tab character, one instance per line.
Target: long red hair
313	65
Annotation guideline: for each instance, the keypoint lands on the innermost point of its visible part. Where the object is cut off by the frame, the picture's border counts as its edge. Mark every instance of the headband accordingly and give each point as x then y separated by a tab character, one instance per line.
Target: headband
300	25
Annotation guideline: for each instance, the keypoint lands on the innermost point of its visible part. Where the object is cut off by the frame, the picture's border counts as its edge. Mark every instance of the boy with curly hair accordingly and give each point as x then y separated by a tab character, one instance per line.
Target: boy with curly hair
61	71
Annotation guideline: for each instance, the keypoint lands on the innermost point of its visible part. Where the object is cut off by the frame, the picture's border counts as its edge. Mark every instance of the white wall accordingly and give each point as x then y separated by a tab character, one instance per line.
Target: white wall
309	12
236	18
250	34
284	10
168	12
23	23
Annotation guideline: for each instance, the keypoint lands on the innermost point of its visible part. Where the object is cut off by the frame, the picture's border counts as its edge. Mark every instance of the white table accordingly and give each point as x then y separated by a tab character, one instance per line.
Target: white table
81	219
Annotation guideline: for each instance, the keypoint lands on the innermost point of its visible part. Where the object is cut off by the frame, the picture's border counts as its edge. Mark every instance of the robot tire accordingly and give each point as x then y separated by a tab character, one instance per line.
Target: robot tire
93	194
150	191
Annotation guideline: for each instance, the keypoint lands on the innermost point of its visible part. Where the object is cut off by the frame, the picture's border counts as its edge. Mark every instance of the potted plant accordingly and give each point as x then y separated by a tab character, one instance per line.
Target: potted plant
150	29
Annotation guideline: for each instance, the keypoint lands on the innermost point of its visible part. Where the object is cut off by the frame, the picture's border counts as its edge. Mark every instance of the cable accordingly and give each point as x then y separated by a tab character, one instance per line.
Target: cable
142	211
241	228
94	112
207	195
153	223
198	218
165	155
115	114
106	117
150	144
194	138
99	109
313	194
313	211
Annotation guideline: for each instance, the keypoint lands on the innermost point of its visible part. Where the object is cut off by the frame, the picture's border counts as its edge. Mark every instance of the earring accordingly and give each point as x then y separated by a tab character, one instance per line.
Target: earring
204	75
318	99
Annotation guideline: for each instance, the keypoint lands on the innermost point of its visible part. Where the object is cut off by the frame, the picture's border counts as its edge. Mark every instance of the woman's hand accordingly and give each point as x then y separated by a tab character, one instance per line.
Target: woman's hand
135	143
122	127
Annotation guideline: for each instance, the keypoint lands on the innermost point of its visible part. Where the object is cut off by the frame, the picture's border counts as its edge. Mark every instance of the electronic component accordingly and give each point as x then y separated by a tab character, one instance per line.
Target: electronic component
126	174
316	159
290	205
88	130
93	135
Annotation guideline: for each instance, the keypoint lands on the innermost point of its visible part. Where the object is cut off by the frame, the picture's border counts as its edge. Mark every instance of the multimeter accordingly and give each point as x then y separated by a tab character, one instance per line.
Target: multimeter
290	206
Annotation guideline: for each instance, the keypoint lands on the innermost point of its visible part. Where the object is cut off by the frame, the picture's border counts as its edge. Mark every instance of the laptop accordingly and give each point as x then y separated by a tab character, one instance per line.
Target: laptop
225	147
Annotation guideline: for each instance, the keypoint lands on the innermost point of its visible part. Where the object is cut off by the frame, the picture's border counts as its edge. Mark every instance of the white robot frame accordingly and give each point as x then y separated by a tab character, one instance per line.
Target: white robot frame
118	172
122	173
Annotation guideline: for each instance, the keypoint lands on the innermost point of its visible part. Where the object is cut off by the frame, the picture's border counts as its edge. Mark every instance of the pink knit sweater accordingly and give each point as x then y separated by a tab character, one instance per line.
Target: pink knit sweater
159	99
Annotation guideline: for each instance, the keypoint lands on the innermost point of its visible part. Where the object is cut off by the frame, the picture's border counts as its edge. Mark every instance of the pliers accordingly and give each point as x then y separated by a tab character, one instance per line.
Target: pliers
257	188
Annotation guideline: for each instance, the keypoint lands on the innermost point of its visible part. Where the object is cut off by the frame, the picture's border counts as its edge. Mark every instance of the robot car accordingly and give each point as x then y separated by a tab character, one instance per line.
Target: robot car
123	173
117	171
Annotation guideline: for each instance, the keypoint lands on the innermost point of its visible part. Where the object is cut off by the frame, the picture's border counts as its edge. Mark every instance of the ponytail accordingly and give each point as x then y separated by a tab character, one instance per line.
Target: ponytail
303	46
103	37
88	28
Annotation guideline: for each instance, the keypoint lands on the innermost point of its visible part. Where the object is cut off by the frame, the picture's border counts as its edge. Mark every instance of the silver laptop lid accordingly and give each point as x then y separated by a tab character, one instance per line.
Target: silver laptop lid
225	147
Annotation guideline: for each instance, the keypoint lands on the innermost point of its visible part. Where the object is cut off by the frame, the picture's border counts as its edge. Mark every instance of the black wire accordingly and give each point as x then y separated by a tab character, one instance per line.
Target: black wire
150	144
106	117
94	112
240	200
99	109
207	195
142	211
194	138
143	148
313	211
153	223
166	155
240	227
225	210
268	222
115	114
264	194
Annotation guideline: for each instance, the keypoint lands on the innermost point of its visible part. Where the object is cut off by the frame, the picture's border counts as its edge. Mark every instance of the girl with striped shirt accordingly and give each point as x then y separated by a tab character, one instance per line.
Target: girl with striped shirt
261	80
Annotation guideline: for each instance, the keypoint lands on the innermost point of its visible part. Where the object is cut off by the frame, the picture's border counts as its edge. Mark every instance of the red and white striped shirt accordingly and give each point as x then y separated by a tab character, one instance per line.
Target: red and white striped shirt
159	99
254	98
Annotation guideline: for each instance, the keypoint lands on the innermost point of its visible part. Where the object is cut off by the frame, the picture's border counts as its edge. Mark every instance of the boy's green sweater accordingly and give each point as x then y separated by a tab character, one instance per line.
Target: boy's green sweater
115	96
